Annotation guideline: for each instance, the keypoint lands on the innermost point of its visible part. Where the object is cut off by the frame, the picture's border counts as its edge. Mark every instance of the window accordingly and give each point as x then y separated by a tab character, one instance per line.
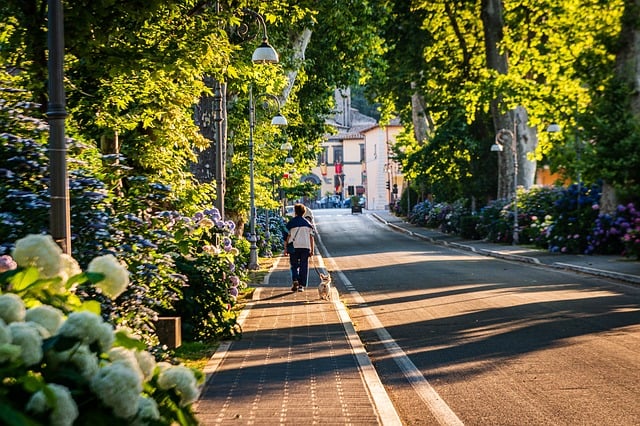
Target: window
337	155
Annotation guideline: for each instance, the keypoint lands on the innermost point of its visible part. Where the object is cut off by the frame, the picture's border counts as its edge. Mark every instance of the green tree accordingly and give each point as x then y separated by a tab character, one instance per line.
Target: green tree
513	65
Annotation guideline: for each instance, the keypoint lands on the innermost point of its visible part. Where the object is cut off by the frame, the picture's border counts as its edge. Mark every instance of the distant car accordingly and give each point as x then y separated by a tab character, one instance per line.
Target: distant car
289	211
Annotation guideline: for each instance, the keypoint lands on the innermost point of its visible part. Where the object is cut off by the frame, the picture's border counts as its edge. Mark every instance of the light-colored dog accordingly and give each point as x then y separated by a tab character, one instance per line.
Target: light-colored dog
324	288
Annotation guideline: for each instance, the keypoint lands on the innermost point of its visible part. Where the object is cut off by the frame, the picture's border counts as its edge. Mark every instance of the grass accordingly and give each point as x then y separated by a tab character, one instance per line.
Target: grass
197	354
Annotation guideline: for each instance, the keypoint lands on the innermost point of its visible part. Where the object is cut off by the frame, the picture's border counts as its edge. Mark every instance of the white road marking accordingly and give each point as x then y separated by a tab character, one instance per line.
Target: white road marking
386	411
441	411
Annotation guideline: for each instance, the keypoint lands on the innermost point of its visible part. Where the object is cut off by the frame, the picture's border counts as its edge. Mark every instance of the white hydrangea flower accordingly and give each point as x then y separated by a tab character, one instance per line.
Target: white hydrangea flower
128	357
65	410
147	410
147	363
88	328
81	356
27	336
40	251
69	267
116	276
118	387
44	333
206	223
47	316
12	308
183	380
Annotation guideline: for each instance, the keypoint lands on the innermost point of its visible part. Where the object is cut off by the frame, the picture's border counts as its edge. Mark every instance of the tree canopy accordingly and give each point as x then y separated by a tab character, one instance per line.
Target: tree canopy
455	71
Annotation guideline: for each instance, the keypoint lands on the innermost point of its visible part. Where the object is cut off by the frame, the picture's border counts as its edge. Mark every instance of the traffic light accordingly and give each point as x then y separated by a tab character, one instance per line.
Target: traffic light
351	190
388	183
395	188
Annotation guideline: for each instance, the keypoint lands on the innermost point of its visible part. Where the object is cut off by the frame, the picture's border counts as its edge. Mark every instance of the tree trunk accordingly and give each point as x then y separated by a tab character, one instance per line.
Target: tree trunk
110	145
211	118
299	48
421	122
527	140
515	121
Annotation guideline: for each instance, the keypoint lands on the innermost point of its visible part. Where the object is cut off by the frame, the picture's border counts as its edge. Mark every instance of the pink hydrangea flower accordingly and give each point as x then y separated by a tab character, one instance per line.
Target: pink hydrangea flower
7	263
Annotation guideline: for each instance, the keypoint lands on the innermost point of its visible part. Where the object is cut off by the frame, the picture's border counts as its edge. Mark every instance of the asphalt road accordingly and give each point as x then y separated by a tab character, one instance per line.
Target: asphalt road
460	338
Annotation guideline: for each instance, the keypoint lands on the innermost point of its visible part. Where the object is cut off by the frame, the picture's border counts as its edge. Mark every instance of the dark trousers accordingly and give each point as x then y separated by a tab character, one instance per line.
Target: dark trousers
299	261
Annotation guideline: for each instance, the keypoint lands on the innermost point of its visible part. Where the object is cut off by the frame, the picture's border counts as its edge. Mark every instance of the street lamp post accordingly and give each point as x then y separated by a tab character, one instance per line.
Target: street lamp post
289	160
56	113
277	120
498	146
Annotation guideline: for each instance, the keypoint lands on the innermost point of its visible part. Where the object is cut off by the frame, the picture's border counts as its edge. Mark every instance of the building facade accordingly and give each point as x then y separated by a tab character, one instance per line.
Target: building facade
357	159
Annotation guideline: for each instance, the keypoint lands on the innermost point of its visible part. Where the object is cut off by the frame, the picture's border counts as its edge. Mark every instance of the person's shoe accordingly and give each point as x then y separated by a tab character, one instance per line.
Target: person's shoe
300	288
295	286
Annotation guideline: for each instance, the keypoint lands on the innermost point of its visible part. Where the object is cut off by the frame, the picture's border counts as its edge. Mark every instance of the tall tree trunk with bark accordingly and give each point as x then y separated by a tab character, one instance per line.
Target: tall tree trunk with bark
421	122
515	121
211	117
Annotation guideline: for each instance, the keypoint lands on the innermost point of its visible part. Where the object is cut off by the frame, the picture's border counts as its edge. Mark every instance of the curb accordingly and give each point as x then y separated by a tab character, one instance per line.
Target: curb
597	272
514	257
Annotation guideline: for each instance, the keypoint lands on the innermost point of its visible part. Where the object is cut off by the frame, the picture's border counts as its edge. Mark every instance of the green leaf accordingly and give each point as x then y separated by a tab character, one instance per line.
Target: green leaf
126	341
11	417
91	306
25	278
76	279
94	277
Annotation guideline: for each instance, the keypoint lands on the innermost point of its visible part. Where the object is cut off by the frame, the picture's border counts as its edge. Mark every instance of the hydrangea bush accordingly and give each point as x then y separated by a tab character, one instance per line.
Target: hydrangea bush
562	220
420	213
574	213
269	235
212	261
617	233
495	221
62	364
121	214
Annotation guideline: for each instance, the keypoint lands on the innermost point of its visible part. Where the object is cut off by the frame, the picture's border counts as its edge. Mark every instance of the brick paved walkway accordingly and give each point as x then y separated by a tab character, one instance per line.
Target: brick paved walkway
295	365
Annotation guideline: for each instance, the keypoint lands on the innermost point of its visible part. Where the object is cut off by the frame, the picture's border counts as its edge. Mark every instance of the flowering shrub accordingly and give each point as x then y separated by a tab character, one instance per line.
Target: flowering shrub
271	242
631	242
420	213
575	212
438	216
62	364
616	234
211	259
534	219
24	168
495	221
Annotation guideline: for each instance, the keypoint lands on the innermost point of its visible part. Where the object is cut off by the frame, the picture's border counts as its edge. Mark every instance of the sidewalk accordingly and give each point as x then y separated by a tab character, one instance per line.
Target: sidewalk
299	362
608	266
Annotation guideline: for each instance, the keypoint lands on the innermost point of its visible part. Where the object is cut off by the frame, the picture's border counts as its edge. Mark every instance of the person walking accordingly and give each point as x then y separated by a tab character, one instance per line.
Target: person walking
298	244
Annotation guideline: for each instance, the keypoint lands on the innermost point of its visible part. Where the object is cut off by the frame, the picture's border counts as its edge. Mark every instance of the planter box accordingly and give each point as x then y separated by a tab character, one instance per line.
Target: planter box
356	209
169	331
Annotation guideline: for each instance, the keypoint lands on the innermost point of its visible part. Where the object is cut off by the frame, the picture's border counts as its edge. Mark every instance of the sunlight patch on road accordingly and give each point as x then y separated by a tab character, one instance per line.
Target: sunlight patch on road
357	262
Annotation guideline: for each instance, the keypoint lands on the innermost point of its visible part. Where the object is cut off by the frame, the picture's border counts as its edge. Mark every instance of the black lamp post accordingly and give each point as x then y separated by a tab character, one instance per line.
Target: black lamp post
56	113
277	120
